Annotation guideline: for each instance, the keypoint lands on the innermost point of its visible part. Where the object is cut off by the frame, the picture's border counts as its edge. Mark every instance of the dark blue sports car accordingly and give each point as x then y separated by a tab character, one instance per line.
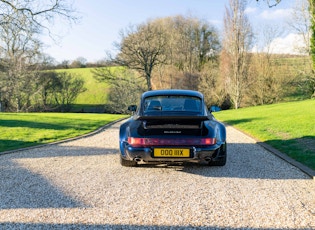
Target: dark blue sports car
172	126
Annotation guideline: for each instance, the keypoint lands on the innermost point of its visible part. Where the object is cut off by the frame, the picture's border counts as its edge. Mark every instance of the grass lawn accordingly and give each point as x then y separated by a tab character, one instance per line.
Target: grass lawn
289	127
19	130
96	92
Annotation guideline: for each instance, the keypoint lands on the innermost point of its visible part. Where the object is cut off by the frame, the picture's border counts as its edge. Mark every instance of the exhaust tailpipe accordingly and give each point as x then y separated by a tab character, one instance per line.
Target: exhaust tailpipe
138	159
207	158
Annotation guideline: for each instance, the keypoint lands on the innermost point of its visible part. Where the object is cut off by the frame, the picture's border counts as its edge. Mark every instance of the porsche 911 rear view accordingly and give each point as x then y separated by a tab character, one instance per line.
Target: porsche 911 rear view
172	126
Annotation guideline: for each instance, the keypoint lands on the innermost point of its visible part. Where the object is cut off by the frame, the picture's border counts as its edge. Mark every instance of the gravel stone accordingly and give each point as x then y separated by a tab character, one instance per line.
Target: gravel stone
80	184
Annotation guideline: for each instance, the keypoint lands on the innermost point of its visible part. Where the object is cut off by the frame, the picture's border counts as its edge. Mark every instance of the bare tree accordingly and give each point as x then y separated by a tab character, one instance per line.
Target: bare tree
126	87
67	89
210	85
169	52
142	49
265	79
190	45
271	3
79	62
304	13
37	13
300	23
20	50
237	41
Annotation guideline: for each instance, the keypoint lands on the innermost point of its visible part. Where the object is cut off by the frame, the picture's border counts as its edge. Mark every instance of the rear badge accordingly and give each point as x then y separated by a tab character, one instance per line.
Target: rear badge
173	132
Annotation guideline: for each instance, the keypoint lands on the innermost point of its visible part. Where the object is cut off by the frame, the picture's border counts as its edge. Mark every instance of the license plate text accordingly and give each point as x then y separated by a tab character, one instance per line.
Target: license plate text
161	152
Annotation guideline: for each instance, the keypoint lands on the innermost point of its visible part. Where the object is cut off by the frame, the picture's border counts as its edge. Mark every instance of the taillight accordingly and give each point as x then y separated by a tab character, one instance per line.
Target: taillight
143	142
209	141
136	141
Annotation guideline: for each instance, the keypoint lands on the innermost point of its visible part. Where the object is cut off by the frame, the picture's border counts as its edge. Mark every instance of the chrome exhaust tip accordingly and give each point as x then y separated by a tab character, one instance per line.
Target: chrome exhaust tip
137	159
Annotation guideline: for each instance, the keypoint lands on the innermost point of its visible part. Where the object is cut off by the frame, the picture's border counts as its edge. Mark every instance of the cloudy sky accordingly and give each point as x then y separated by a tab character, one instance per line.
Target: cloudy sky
101	22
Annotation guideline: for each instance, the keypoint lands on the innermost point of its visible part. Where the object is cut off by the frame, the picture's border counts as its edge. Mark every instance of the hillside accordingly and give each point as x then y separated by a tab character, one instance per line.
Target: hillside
96	93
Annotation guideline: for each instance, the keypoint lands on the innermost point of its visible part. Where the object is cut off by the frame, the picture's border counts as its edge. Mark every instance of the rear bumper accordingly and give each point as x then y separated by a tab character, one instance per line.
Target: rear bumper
197	154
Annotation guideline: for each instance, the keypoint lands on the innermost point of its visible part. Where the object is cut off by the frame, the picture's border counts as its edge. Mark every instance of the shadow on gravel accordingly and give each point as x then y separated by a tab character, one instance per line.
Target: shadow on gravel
248	161
22	188
69	151
108	226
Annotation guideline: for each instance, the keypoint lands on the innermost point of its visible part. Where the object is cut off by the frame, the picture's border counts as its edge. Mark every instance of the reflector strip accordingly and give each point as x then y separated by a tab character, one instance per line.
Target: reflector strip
143	142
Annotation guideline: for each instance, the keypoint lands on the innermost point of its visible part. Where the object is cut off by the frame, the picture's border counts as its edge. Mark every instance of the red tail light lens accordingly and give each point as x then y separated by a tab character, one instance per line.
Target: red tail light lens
143	142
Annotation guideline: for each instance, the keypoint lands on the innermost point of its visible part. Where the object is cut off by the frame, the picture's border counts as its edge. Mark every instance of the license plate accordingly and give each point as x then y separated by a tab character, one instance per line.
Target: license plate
176	152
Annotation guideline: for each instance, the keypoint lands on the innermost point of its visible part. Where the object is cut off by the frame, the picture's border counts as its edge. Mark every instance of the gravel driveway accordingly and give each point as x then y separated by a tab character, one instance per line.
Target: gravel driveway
80	184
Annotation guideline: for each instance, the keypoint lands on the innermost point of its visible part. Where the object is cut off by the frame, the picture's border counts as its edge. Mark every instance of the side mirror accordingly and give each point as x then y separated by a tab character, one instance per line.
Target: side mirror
214	108
132	108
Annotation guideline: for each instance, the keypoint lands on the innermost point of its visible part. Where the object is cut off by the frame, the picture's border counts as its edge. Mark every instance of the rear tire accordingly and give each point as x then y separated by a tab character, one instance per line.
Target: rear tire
127	163
221	157
220	162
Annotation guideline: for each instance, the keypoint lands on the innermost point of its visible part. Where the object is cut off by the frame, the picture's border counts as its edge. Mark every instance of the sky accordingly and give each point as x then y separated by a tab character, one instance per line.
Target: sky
102	20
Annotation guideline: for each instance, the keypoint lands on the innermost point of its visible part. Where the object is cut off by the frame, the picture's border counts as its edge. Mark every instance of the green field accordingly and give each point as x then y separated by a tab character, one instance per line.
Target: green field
19	130
96	93
289	127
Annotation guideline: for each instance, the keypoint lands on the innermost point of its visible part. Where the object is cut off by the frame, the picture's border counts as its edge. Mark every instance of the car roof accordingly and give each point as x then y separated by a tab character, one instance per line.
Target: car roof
173	92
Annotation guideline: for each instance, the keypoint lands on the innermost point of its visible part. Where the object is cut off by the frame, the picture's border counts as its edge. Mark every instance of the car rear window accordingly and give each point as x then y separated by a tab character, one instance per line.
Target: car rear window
172	103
